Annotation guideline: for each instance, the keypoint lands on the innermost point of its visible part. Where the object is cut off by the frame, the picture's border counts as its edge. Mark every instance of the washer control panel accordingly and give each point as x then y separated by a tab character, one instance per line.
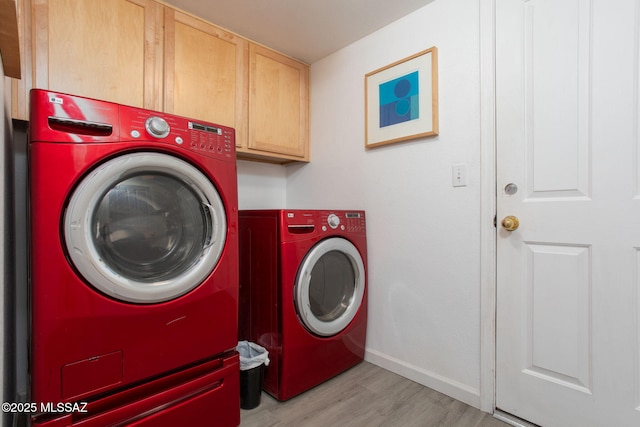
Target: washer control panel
68	118
204	137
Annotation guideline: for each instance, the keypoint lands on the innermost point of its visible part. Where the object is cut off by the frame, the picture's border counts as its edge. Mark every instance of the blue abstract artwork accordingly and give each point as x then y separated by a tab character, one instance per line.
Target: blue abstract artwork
399	100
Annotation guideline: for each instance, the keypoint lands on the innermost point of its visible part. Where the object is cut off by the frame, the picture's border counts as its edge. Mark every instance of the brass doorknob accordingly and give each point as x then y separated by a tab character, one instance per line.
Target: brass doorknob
510	223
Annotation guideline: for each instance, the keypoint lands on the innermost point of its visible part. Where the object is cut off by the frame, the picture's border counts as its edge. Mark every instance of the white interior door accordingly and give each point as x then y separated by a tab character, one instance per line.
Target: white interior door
568	279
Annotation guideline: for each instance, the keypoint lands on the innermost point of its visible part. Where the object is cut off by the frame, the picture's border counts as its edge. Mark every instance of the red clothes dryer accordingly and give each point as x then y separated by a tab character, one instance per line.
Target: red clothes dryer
134	264
303	293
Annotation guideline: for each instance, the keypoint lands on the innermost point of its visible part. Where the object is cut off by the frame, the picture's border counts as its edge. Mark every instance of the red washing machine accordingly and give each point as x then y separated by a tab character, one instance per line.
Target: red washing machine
303	293
134	266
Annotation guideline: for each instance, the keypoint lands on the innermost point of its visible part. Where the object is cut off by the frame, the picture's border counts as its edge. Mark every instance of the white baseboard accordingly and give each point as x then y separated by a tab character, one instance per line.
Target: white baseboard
451	388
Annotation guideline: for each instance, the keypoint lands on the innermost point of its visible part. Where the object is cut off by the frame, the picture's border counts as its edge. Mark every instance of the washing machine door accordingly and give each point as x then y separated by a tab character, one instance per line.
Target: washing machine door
145	227
330	286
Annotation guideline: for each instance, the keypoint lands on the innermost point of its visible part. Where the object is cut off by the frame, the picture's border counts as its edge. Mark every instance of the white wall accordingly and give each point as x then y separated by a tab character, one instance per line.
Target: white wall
423	234
261	185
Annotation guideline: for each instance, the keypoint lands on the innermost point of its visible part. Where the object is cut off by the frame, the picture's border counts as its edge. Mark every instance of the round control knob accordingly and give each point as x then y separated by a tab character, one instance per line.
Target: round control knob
333	220
157	127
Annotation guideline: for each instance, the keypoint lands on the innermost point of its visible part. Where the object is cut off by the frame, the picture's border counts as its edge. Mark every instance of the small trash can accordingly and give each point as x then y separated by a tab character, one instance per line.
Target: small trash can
253	359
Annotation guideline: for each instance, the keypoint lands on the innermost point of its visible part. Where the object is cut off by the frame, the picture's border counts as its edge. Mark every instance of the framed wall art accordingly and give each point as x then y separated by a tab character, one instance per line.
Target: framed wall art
401	100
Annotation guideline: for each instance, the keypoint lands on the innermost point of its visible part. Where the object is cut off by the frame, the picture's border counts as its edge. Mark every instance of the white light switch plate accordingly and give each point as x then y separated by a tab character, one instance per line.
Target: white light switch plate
459	175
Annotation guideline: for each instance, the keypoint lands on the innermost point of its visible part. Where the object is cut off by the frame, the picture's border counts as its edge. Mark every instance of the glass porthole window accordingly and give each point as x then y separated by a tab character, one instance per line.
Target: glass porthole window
145	227
330	286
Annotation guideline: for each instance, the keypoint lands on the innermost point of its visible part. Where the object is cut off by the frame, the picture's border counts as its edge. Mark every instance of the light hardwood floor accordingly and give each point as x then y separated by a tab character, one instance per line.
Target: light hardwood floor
367	395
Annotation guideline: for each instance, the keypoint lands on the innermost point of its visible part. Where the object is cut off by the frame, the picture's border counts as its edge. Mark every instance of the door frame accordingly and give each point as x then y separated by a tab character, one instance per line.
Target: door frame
488	245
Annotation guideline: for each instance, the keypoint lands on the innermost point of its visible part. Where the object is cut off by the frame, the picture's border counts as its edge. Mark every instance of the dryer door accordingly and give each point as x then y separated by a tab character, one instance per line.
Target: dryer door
145	227
330	286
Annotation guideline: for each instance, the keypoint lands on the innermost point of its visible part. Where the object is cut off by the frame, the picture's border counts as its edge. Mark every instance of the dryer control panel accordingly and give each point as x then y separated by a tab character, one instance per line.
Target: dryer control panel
346	221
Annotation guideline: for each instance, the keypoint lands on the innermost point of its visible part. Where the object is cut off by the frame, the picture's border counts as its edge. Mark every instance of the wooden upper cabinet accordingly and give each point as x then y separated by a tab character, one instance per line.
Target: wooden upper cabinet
205	72
105	49
278	105
146	54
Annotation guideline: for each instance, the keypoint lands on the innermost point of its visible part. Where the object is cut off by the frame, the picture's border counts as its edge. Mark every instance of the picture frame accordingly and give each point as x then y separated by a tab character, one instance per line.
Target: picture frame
401	100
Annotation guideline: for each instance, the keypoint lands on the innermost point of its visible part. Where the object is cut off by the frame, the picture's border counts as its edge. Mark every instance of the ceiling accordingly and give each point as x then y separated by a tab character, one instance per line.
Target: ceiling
307	30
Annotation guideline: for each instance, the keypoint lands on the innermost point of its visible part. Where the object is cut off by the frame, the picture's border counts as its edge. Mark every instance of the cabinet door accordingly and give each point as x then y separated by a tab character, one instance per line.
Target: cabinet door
205	72
108	49
19	88
278	104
